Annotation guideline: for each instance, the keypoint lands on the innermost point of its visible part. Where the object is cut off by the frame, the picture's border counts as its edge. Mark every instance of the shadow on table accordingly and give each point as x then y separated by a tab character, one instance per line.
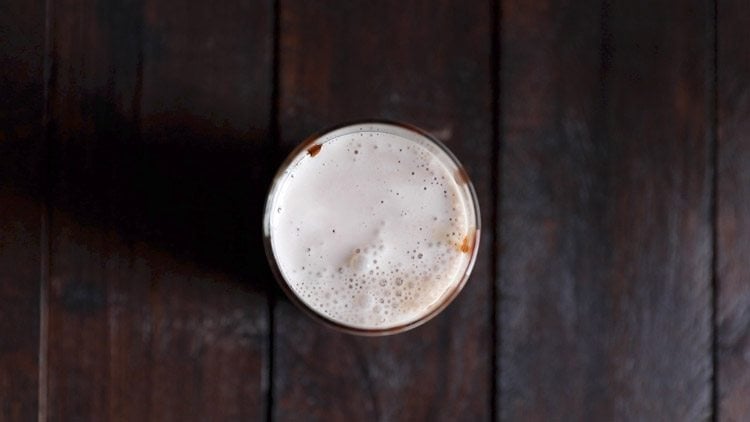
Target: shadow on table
176	181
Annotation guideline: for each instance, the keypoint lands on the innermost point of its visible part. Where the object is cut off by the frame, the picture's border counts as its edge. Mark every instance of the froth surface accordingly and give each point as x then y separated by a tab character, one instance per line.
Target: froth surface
371	228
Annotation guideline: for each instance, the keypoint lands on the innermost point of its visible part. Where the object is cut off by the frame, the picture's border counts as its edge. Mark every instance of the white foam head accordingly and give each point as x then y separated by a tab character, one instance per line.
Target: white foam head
372	226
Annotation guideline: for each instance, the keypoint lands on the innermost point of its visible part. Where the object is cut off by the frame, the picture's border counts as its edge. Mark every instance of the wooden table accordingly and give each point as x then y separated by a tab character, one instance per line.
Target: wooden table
609	142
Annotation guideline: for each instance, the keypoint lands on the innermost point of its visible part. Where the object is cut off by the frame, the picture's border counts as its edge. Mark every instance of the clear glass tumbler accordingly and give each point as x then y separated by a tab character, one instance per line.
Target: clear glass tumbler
308	149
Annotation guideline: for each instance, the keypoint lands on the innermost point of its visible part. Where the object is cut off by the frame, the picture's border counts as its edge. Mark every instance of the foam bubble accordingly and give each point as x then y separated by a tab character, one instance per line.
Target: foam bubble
372	231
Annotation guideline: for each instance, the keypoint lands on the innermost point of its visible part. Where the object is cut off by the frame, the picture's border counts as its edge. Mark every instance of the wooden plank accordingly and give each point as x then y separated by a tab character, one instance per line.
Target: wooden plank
157	302
605	270
423	63
21	204
733	212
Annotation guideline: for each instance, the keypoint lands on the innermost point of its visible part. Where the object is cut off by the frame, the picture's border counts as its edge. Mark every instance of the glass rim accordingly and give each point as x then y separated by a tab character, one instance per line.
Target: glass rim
447	298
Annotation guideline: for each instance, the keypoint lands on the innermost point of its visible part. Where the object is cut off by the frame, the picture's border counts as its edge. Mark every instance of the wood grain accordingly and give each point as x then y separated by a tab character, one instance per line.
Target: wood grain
425	63
605	223
160	114
733	213
21	204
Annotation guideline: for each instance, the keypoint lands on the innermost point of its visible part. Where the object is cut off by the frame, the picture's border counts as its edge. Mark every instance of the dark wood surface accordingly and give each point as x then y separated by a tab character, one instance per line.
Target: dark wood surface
21	175
605	212
159	127
733	213
608	141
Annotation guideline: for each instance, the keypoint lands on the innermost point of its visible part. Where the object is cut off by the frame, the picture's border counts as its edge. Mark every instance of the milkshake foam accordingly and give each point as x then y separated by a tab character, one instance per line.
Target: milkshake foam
372	226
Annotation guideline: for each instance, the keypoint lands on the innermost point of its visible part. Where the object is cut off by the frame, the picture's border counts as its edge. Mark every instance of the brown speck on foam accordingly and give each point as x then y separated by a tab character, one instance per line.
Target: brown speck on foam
314	150
466	245
461	176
